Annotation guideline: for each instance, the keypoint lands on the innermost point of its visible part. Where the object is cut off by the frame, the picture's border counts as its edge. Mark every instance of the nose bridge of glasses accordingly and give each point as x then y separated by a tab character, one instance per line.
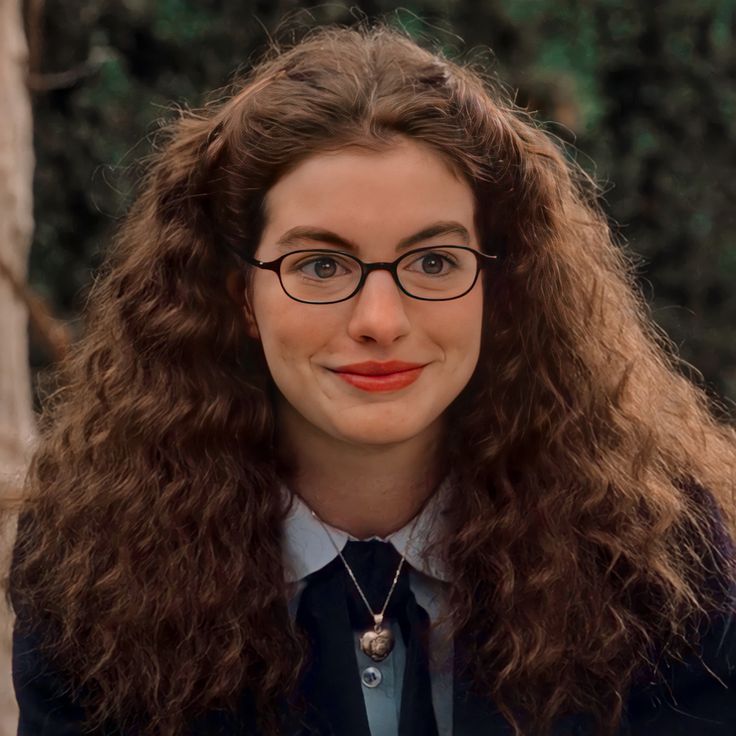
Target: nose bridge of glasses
374	266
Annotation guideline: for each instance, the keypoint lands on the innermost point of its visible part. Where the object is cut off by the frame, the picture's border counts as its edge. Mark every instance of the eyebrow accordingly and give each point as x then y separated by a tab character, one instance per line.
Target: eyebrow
299	233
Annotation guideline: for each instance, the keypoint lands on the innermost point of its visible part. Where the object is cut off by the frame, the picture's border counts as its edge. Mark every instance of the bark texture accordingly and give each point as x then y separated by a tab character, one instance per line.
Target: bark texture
16	226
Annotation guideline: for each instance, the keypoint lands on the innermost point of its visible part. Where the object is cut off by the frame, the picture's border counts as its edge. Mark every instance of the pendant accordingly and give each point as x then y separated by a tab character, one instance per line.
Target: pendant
379	642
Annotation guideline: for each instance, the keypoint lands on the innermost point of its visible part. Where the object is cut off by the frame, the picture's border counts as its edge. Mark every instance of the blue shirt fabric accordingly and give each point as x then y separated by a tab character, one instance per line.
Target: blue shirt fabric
307	548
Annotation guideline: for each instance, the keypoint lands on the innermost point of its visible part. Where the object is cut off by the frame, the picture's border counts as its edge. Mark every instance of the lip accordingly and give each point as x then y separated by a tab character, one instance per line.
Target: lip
384	382
374	368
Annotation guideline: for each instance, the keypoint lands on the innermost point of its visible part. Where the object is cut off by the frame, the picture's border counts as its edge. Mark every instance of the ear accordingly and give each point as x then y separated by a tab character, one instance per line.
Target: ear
236	288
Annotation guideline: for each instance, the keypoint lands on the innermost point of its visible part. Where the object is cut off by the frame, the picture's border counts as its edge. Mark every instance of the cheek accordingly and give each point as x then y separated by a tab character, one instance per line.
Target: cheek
288	339
290	330
462	344
462	324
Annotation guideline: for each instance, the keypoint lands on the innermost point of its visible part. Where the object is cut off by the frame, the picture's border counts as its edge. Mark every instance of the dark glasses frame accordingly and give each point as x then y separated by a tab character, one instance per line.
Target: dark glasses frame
483	260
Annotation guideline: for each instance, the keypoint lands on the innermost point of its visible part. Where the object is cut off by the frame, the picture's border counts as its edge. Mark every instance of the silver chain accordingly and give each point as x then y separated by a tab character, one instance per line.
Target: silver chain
377	617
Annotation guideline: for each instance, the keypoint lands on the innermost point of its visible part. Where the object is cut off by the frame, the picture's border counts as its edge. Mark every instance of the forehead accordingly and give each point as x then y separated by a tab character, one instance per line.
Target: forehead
403	186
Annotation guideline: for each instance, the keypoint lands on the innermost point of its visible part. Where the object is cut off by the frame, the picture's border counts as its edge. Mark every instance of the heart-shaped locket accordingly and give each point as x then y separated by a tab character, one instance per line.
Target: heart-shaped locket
377	644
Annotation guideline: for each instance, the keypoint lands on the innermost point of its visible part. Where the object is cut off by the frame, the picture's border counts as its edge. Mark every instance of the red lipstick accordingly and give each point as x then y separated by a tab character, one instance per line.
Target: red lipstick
372	368
371	376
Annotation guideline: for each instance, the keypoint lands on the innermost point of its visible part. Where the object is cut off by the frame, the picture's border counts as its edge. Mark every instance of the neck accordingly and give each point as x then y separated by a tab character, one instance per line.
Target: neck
364	490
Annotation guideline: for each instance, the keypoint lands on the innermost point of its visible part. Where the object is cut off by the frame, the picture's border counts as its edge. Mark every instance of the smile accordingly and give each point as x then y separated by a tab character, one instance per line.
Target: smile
387	382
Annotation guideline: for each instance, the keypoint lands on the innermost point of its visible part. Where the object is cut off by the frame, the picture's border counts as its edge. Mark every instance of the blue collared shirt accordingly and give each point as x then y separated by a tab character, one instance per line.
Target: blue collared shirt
307	548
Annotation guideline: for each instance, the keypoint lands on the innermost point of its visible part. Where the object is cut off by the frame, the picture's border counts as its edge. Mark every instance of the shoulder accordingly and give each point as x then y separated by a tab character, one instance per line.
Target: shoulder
697	693
694	696
45	704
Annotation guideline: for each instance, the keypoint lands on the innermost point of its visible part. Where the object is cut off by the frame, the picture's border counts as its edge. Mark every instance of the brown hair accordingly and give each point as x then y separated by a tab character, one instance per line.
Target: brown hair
581	535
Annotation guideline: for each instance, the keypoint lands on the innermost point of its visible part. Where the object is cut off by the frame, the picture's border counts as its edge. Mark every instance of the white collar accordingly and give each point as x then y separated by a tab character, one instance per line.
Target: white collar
307	547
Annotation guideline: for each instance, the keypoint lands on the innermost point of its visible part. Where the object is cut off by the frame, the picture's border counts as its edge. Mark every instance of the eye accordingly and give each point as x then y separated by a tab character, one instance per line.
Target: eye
325	267
432	263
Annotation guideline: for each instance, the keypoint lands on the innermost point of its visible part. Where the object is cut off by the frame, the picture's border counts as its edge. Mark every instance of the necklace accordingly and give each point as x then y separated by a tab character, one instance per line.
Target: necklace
378	642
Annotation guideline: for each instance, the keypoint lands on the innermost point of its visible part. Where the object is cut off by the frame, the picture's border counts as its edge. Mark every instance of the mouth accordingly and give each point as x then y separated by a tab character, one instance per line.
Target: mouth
377	368
384	382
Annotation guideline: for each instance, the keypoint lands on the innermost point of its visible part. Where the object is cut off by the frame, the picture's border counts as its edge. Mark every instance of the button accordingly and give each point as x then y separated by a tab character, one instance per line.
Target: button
371	677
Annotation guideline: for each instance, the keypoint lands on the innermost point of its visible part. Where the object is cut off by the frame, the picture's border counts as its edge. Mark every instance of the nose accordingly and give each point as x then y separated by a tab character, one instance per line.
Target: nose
379	312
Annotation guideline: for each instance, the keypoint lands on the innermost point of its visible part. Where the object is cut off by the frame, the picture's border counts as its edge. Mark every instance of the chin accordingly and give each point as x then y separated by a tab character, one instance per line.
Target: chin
378	433
379	440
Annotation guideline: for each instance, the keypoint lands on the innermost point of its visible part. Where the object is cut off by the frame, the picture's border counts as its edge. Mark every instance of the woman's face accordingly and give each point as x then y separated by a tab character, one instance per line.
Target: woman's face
374	200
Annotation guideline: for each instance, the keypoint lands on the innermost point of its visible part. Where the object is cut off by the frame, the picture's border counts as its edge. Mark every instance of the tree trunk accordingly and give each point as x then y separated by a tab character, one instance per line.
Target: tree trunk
16	225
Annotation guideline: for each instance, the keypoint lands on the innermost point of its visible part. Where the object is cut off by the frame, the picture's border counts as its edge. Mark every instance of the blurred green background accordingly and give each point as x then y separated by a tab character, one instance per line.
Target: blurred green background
644	93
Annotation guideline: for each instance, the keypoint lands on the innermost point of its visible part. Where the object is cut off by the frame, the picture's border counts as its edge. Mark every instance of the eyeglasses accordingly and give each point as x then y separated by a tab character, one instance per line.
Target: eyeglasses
437	273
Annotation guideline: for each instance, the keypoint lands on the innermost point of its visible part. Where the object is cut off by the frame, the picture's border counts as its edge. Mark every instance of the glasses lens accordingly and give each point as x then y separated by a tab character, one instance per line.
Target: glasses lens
319	276
442	272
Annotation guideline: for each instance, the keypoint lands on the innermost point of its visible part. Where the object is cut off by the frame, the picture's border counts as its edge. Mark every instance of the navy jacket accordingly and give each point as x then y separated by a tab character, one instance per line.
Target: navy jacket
692	702
697	697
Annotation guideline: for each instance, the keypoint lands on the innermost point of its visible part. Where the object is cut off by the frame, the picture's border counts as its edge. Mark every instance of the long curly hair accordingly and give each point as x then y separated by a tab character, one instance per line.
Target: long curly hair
591	468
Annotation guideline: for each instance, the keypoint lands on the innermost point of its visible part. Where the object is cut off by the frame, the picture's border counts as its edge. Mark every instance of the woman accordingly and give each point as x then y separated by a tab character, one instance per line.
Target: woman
261	445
